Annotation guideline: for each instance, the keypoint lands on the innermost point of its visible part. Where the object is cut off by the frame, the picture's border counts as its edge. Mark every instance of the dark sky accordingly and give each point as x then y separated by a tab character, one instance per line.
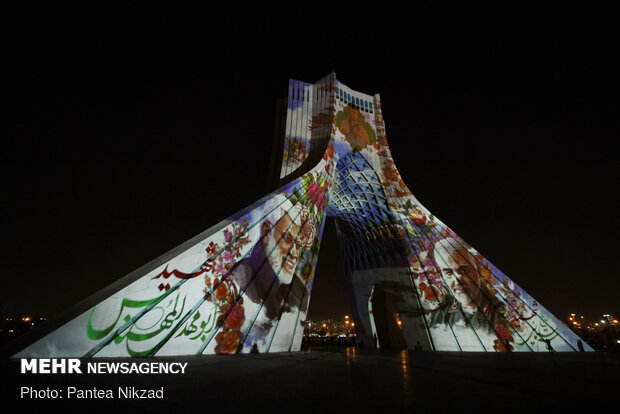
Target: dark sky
123	137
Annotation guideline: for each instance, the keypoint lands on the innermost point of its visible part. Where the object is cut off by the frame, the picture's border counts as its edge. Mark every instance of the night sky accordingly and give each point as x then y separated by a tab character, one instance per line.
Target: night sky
124	137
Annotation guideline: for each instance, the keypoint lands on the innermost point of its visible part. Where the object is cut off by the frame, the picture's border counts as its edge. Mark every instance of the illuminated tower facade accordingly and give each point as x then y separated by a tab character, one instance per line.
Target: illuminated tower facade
413	283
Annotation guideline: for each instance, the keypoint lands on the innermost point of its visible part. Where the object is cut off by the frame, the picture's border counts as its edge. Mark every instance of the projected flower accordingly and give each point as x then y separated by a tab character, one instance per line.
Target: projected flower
316	195
306	236
224	292
227	342
235	318
354	127
316	189
329	154
389	171
417	216
235	239
221	291
295	149
503	343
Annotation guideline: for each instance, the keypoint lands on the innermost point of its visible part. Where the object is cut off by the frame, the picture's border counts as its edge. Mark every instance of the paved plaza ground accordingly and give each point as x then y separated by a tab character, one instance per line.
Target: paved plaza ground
349	380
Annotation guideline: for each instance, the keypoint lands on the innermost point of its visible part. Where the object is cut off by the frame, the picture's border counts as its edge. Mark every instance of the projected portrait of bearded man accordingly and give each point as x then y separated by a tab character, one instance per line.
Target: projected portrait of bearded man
470	296
272	272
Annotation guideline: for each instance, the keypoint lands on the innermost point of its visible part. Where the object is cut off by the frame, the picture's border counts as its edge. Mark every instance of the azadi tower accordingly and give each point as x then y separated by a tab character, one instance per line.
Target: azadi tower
413	283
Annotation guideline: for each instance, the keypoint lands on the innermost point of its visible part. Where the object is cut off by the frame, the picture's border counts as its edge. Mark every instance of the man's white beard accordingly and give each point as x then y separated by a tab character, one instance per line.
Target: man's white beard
466	302
458	291
276	260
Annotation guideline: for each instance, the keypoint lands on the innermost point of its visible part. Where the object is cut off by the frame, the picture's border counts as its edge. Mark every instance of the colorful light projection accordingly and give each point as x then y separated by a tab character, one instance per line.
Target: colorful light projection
248	282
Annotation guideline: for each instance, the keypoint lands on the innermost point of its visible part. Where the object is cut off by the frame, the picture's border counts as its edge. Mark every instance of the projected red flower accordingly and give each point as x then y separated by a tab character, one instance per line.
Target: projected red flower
235	318
227	342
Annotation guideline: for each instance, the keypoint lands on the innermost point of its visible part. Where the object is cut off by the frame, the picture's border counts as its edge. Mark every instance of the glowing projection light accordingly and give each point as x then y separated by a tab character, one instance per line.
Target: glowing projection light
246	282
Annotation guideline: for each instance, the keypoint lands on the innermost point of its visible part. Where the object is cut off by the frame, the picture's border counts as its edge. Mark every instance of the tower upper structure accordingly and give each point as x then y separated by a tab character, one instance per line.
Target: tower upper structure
413	282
